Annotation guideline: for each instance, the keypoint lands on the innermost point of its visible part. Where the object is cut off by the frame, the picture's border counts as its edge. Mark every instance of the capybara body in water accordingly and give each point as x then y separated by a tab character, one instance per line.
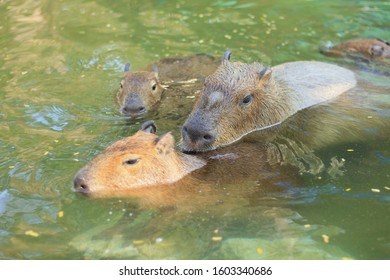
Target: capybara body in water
369	48
141	91
239	98
146	166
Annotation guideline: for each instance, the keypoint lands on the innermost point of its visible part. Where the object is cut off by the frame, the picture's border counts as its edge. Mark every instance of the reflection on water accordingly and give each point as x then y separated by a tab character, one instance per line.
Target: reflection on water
53	117
321	190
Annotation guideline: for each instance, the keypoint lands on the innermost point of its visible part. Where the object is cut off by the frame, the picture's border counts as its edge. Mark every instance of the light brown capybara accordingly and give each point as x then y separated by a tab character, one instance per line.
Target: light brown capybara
141	91
148	167
239	98
367	47
142	160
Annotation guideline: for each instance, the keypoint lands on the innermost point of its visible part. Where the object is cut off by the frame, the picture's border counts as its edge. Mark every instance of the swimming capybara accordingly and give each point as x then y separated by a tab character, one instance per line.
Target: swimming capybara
369	48
142	160
239	98
148	167
141	91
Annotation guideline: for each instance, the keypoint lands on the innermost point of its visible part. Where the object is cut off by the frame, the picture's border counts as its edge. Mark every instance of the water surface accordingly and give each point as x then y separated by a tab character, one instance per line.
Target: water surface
325	196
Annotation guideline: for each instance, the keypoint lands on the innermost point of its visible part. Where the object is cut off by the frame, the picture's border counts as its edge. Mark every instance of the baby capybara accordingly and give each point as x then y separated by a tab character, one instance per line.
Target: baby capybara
139	161
141	91
239	98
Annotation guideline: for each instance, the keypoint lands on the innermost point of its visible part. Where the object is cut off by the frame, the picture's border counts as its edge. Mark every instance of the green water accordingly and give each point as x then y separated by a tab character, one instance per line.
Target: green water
60	65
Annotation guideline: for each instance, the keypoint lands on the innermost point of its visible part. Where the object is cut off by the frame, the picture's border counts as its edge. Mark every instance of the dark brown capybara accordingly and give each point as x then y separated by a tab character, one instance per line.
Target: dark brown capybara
368	47
141	91
239	98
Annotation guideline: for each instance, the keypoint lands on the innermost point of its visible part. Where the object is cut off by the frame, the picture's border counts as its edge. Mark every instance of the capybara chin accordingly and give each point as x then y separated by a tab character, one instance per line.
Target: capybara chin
367	47
239	98
139	161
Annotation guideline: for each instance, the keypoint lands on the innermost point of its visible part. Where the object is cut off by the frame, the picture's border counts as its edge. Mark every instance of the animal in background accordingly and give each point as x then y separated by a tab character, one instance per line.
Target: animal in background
142	91
367	47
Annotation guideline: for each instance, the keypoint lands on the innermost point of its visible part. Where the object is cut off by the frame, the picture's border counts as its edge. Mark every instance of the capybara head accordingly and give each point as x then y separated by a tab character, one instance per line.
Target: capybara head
380	48
142	160
139	92
368	47
237	99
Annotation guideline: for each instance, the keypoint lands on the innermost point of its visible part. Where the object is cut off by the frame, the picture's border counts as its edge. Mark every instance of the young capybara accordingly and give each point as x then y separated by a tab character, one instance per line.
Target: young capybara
142	160
141	91
239	98
147	167
369	48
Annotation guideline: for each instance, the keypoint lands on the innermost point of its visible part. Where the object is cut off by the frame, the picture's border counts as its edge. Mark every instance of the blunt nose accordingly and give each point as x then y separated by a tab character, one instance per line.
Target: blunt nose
133	105
80	185
133	110
197	136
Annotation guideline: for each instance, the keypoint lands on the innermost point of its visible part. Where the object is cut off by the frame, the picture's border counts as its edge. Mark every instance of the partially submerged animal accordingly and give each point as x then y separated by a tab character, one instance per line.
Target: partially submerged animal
139	161
239	98
367	47
141	91
148	167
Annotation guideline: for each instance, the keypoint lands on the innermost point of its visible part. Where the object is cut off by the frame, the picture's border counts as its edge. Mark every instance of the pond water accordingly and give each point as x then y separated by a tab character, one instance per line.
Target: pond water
326	196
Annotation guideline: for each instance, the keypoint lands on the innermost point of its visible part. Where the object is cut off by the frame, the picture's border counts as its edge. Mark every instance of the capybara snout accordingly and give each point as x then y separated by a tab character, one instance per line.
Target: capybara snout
133	105
80	184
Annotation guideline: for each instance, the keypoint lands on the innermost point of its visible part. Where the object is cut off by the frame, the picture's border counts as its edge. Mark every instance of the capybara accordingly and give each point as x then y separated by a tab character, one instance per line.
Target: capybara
369	48
141	91
239	98
148	167
142	160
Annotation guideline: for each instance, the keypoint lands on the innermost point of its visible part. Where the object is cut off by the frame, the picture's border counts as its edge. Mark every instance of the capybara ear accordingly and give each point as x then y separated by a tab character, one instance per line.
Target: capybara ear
383	41
265	74
377	50
226	55
155	70
149	127
127	67
165	143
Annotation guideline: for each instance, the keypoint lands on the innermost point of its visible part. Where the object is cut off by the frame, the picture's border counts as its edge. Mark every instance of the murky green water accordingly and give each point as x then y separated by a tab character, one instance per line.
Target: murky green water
327	197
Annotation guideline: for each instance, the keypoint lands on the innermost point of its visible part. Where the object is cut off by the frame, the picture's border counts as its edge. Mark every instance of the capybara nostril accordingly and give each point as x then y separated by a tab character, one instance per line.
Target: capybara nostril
198	136
184	130
80	185
133	110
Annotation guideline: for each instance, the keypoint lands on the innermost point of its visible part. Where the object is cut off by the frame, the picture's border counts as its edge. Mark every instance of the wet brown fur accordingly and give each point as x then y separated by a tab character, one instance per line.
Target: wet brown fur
277	94
158	164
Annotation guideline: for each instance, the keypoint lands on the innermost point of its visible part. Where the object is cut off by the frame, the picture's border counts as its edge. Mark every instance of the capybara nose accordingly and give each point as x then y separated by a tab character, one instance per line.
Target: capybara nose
80	185
197	136
133	110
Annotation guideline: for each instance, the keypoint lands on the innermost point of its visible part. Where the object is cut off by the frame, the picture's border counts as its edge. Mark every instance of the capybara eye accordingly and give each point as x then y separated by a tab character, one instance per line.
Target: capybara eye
247	100
154	87
131	161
